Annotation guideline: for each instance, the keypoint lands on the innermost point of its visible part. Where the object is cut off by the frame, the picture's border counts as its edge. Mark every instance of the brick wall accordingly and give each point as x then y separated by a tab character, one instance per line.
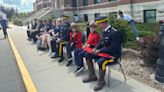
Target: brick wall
106	3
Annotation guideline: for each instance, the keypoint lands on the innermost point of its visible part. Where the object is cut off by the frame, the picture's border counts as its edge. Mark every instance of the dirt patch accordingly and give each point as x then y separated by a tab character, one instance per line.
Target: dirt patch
135	68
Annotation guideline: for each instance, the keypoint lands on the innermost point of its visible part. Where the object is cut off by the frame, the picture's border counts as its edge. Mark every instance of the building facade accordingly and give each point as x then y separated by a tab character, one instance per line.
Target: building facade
141	10
40	4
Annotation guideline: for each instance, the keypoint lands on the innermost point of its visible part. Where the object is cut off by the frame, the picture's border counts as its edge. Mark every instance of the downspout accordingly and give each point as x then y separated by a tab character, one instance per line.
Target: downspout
77	9
131	7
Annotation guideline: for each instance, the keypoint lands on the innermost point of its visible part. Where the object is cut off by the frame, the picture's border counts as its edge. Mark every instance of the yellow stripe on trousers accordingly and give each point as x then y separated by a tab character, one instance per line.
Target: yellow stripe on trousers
61	48
105	63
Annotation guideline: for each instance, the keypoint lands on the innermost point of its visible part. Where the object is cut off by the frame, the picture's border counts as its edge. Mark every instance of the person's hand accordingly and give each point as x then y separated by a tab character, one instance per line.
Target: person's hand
51	30
84	46
71	44
56	34
93	50
58	40
96	52
73	35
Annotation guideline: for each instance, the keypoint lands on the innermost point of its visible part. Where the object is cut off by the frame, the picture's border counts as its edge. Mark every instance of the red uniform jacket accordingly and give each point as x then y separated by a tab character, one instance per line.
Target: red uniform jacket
93	39
77	39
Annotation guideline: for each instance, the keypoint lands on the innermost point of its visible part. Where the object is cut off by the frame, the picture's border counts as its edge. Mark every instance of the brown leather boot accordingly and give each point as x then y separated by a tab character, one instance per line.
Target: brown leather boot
101	81
92	76
90	79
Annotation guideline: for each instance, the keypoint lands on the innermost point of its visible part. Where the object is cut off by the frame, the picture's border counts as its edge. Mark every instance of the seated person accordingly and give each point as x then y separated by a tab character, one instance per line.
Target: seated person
33	26
28	29
93	39
75	42
110	44
54	36
36	31
43	34
64	38
50	35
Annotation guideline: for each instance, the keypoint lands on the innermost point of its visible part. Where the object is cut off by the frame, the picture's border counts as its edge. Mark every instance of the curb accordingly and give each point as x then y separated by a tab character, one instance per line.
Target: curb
29	85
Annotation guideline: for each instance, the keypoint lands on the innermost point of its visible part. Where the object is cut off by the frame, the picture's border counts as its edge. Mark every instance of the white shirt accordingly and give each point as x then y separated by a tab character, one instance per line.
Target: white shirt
126	17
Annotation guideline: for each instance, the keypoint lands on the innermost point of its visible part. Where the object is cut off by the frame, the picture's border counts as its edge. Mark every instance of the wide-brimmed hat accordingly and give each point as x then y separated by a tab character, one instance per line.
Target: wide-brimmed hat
92	24
65	17
73	24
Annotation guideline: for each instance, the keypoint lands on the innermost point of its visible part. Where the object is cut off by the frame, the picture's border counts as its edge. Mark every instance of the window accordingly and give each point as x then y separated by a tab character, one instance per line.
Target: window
112	0
85	17
150	16
85	2
97	1
74	3
97	15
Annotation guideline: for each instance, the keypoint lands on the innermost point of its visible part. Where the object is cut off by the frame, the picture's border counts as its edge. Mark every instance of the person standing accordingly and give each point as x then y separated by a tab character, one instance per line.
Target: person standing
131	22
4	26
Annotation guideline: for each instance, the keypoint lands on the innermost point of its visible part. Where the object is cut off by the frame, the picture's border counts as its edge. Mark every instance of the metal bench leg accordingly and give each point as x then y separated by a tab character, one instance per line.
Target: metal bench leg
109	72
122	71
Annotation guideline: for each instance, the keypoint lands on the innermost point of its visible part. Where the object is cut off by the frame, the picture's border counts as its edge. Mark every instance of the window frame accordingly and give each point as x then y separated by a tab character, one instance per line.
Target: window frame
146	17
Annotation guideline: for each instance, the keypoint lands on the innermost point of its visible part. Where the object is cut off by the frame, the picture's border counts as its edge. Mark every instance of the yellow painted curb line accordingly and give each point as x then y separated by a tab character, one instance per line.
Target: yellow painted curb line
29	85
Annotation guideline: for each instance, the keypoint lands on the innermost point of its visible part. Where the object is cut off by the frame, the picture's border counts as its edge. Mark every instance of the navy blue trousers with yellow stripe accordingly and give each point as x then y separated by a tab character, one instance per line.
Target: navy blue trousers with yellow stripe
102	62
68	49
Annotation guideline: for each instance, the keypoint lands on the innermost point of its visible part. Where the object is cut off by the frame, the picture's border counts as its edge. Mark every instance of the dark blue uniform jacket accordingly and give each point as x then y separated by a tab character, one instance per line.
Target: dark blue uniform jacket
110	42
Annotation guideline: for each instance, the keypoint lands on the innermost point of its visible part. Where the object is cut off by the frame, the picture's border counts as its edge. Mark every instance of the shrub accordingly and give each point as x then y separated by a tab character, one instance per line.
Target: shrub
149	47
148	29
123	27
17	22
129	41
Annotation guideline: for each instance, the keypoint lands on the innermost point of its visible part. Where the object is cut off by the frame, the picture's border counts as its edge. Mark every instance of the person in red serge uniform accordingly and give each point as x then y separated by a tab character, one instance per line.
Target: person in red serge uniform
75	43
93	39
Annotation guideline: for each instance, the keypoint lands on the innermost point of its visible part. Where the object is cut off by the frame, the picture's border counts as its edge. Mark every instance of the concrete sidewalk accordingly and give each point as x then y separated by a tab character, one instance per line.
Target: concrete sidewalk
50	76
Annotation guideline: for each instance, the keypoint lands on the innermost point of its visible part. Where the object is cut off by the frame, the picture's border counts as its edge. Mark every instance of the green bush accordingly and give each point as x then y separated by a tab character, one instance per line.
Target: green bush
145	29
123	27
17	22
82	26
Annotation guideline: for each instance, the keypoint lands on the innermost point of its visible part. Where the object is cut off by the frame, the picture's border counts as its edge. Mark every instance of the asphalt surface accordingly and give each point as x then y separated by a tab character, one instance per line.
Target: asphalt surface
10	78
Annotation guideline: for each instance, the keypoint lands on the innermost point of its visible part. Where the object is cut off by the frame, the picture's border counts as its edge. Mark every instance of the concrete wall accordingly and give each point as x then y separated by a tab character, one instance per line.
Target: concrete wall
105	8
138	10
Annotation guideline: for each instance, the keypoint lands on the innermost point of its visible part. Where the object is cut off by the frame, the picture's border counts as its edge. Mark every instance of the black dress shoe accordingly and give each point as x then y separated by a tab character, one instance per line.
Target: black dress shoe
4	37
69	63
28	39
61	60
55	56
